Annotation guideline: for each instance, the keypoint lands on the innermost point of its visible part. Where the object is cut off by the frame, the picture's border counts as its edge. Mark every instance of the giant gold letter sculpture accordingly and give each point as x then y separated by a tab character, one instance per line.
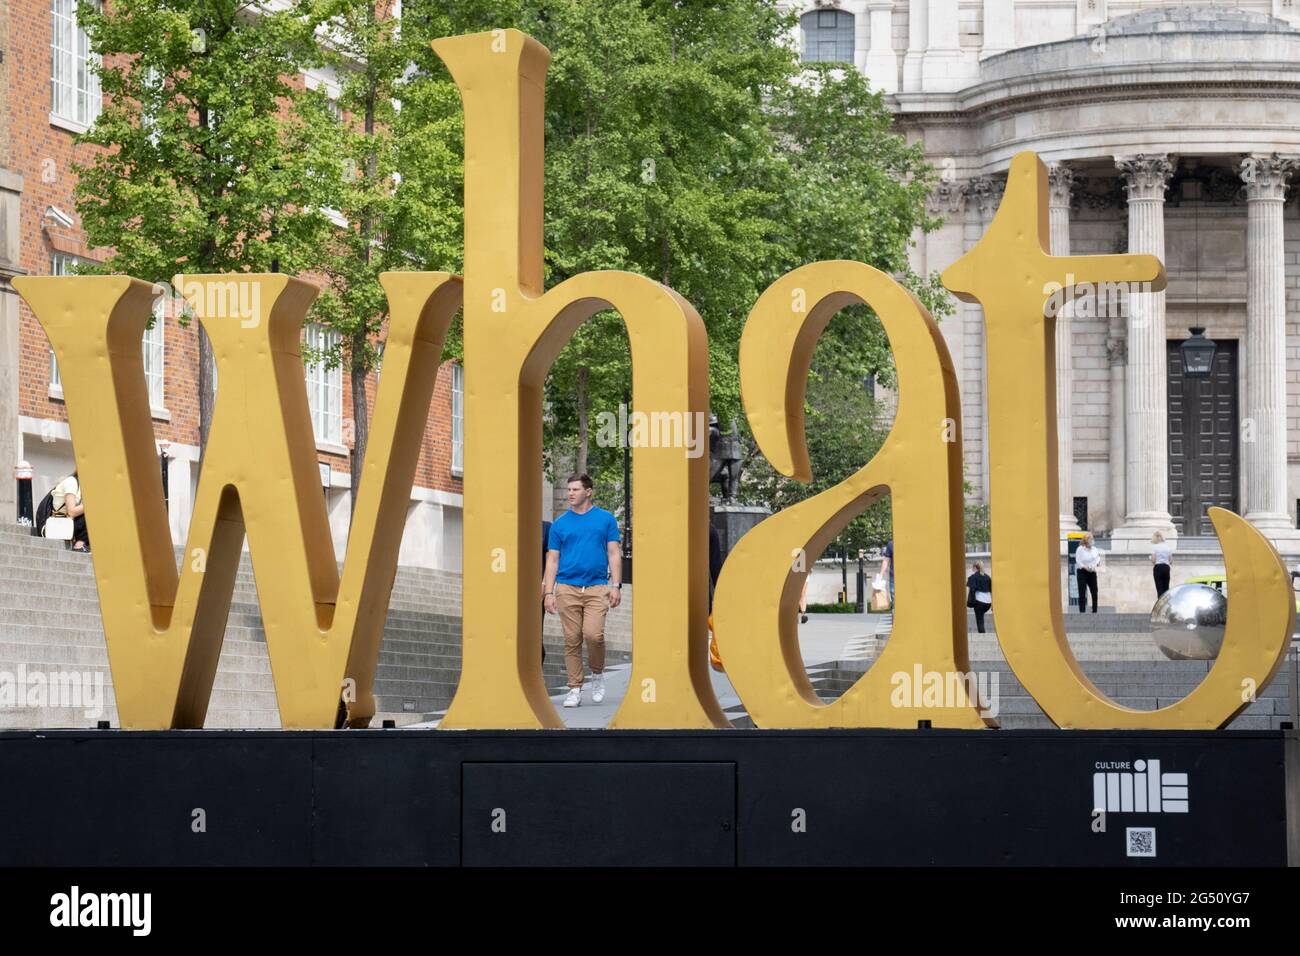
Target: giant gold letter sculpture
1008	273
163	634
919	465
513	333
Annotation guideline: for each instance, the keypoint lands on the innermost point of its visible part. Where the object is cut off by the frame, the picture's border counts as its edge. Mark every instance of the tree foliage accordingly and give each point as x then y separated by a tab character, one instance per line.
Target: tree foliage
211	158
684	141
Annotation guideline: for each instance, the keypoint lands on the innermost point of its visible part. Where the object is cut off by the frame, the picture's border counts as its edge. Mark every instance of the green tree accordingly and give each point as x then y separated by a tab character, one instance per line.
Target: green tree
210	159
654	122
845	427
684	141
390	184
853	190
687	143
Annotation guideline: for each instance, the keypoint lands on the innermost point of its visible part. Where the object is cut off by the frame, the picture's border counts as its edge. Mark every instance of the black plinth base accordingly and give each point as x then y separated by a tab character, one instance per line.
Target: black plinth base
606	798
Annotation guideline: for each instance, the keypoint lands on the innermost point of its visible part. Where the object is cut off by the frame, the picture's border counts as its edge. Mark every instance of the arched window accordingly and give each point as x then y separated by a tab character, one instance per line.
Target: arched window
827	36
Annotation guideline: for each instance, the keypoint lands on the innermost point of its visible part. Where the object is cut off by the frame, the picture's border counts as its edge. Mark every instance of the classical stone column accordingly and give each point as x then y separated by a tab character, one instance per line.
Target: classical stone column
983	194
1264	422
881	62
999	27
1146	384
1117	358
1060	181
935	250
918	18
942	68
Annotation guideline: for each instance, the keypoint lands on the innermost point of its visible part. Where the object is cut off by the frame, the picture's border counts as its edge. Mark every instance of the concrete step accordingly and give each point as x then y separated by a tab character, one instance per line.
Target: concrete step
64	599
1273	702
66	645
84	598
54	625
1188	673
82	630
244	670
410	627
1163	665
75	568
53	718
1278	691
23	634
223	718
55	613
56	550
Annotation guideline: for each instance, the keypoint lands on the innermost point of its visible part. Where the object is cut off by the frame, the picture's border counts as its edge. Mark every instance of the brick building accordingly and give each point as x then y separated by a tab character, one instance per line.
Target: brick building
49	94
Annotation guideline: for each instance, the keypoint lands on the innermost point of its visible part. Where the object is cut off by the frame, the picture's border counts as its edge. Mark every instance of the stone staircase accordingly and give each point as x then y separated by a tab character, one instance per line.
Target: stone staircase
1126	673
1115	651
50	624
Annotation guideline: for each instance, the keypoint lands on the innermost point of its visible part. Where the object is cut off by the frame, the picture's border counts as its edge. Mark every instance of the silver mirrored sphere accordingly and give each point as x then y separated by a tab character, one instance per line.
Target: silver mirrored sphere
1188	622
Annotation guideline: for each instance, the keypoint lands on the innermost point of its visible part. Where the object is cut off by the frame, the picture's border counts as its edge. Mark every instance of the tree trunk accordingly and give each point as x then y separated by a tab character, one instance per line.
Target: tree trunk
357	348
581	468
563	469
361	426
207	390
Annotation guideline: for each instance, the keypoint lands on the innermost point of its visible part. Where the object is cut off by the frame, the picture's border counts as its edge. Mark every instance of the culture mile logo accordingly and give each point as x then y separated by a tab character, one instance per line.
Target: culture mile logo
1141	788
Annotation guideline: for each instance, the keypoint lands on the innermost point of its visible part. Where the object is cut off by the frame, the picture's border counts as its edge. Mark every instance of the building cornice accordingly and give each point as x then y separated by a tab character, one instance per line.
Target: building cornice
916	109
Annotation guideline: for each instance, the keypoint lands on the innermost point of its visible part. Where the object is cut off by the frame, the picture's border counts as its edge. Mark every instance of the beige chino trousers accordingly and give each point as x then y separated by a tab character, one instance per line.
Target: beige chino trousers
582	614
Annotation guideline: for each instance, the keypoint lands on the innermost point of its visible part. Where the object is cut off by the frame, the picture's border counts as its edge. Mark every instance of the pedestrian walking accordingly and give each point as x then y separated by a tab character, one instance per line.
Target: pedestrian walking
584	579
1162	554
715	568
546	539
715	560
979	594
887	568
1087	561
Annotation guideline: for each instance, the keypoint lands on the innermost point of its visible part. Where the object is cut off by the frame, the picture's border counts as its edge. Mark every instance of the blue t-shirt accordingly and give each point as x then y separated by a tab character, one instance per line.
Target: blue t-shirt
582	540
889	553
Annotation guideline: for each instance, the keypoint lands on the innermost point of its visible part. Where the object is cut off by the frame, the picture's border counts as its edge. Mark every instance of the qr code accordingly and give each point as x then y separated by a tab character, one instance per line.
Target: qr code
1141	841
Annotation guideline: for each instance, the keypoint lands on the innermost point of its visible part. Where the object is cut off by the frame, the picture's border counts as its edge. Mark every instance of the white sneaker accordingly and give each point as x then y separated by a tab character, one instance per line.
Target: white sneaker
574	698
597	688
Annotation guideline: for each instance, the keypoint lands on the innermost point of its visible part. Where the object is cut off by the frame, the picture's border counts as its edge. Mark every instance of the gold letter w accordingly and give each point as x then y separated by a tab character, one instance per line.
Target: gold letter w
164	629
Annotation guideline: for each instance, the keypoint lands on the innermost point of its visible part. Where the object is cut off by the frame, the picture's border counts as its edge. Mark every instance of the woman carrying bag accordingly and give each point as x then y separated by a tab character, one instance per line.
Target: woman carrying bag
67	519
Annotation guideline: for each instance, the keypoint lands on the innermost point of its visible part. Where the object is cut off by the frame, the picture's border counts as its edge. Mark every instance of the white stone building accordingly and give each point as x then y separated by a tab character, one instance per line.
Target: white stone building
1169	129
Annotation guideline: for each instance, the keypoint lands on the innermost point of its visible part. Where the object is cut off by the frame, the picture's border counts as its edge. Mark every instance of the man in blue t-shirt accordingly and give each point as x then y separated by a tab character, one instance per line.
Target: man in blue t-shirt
584	571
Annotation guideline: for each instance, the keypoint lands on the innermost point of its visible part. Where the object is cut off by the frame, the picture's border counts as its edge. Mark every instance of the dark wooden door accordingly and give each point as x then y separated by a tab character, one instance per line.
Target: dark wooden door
1202	440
